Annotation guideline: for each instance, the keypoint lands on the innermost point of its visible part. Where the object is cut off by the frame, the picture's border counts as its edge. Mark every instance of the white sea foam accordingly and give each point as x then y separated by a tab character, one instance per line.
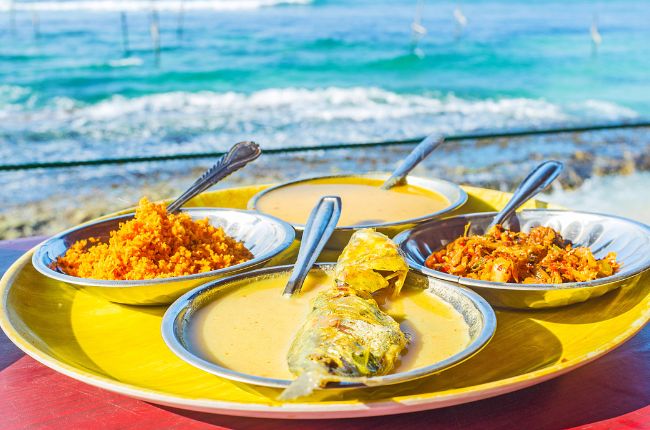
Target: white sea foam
11	95
182	121
126	62
618	195
141	5
605	110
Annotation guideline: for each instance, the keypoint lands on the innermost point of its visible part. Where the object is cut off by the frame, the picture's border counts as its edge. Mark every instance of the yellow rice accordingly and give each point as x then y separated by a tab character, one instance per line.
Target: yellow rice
154	244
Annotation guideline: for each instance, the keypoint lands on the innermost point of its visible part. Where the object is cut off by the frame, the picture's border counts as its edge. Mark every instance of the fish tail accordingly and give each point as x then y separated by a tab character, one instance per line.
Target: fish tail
303	385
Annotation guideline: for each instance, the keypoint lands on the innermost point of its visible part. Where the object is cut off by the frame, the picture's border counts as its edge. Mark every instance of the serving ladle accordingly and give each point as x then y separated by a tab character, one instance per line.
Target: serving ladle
320	226
237	157
537	181
419	153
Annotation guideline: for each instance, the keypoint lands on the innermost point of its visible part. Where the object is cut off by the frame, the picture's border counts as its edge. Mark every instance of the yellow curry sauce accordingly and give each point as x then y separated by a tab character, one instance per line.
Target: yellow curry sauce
250	328
363	202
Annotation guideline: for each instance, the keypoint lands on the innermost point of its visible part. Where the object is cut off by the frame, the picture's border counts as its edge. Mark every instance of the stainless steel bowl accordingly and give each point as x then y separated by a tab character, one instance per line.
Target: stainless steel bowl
265	236
452	192
601	233
177	326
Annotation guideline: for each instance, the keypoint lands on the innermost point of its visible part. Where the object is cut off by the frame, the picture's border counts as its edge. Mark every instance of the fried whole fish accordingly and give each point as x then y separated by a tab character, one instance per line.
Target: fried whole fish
346	335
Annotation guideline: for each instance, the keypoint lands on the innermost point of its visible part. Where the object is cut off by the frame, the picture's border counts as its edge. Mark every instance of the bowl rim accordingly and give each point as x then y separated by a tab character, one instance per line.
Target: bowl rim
403	237
289	235
178	308
461	200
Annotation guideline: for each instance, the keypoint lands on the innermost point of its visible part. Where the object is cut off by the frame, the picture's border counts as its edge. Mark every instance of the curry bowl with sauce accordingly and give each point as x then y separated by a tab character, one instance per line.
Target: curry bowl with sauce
364	203
241	327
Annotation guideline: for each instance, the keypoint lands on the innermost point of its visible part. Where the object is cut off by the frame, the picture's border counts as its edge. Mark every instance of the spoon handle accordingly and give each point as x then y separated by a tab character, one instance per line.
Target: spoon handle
319	228
237	157
536	181
419	153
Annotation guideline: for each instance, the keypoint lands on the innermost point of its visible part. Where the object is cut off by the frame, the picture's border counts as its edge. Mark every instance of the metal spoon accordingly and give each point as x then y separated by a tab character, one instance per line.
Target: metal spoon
319	228
419	153
237	157
536	181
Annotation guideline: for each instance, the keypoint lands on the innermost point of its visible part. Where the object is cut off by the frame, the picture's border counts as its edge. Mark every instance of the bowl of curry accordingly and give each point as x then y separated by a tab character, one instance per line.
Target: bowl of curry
362	322
540	258
364	203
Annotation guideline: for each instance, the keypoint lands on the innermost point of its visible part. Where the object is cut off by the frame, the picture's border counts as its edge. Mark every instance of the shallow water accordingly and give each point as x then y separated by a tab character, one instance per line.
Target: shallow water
312	73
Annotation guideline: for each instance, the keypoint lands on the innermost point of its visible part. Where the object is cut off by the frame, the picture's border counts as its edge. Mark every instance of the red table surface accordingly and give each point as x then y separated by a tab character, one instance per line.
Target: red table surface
612	392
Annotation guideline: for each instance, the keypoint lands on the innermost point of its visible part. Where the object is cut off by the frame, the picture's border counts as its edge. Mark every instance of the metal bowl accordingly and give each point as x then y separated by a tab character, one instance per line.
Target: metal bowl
341	236
177	323
265	236
601	233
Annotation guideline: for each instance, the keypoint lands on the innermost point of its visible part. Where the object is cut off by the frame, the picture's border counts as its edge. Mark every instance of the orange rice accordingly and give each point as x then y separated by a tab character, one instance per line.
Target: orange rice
154	244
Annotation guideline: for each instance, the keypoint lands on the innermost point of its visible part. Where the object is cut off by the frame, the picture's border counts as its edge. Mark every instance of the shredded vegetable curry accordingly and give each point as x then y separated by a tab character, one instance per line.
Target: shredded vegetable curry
541	256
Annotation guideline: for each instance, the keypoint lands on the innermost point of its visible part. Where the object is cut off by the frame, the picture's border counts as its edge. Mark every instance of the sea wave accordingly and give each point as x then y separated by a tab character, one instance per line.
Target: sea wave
142	5
183	122
617	195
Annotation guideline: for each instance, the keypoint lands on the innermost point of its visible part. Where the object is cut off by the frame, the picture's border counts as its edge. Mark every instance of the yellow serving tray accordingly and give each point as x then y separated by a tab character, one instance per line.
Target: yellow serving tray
119	347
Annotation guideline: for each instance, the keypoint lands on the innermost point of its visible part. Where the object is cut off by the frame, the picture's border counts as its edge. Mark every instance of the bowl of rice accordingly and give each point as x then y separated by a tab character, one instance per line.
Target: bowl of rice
152	257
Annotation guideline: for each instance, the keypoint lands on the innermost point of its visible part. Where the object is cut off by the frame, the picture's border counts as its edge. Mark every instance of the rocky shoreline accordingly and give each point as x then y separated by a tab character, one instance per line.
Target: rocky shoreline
491	163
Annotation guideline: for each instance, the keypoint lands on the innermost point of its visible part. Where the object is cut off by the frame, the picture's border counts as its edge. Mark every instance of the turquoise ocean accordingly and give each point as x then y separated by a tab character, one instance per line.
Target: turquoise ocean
290	73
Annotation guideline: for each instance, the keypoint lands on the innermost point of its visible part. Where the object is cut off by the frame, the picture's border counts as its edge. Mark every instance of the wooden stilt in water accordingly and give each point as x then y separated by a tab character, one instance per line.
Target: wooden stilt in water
461	21
596	38
417	31
12	17
155	36
125	34
181	18
36	24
